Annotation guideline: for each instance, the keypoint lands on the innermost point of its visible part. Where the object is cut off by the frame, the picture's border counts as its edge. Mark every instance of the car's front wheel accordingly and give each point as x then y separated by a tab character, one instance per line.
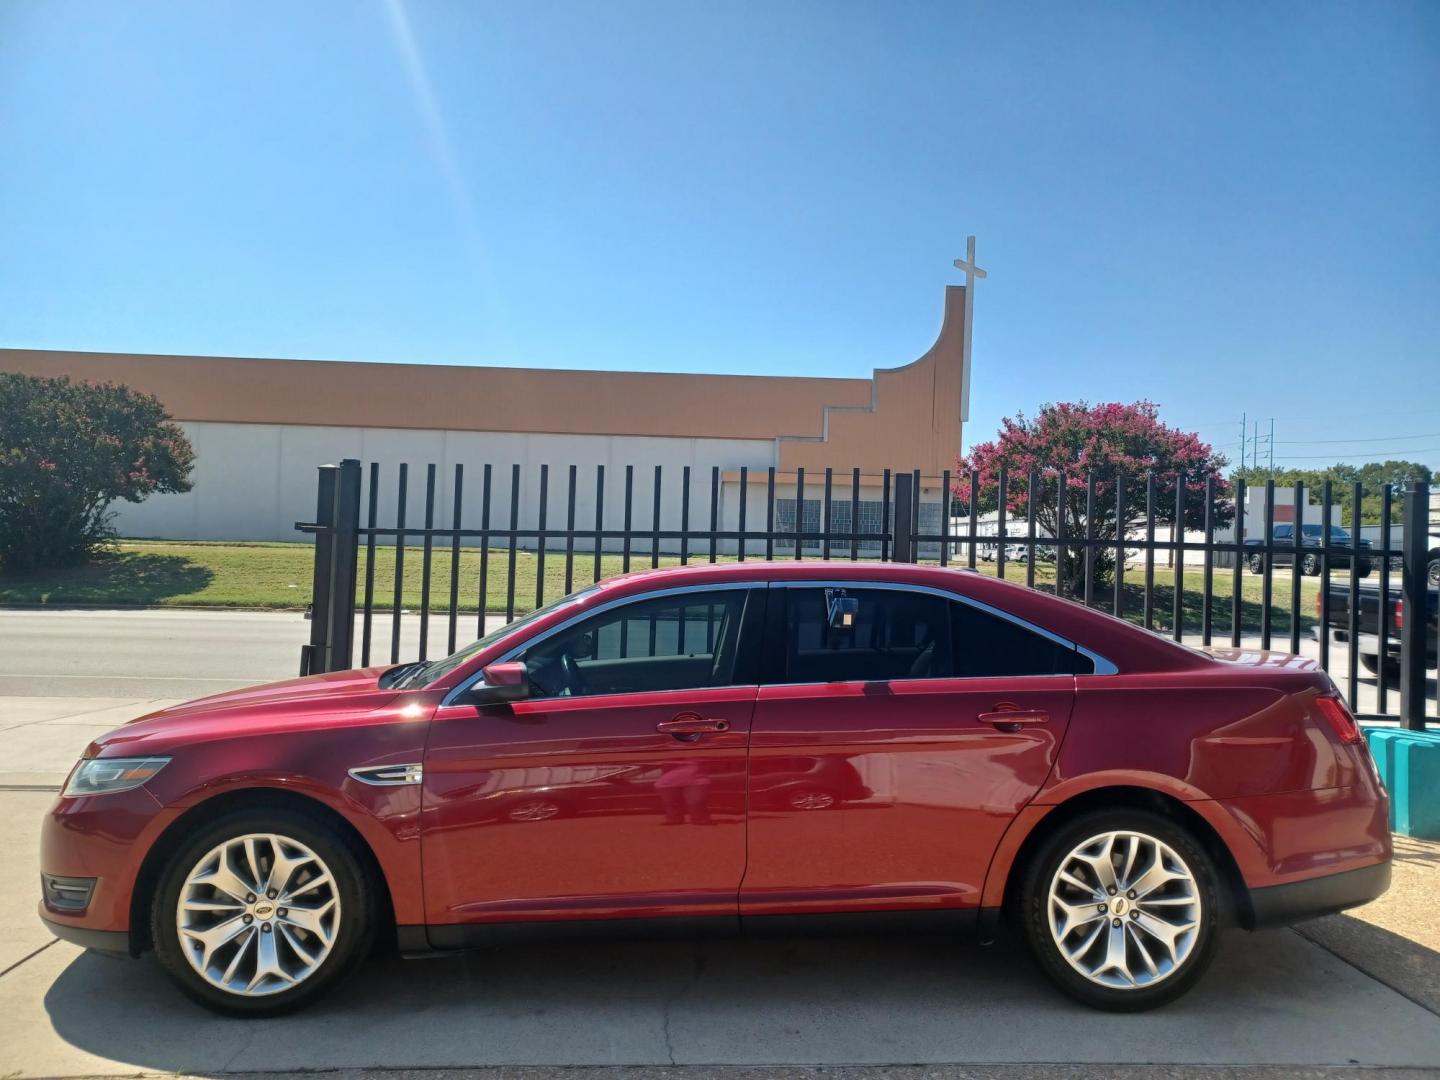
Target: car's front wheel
1256	564
263	910
1122	909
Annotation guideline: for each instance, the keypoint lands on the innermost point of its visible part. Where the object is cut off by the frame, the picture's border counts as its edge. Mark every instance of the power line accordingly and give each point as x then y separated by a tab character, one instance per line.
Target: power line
1367	454
1383	438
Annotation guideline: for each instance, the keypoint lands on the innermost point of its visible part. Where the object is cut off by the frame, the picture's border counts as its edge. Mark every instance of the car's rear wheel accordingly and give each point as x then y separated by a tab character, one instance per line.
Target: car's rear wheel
1122	909
1256	564
262	911
1310	565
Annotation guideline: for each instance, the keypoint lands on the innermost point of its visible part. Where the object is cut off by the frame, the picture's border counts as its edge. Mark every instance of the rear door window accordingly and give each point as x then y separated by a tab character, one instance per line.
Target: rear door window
895	634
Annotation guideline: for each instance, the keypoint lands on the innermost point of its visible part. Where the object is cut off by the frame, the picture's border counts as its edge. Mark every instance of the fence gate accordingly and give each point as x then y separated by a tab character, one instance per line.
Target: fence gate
1173	554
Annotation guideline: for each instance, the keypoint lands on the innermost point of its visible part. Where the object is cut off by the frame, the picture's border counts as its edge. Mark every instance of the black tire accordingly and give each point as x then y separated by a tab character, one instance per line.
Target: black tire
1364	569
1432	570
355	885
1256	563
1310	565
1391	668
1034	921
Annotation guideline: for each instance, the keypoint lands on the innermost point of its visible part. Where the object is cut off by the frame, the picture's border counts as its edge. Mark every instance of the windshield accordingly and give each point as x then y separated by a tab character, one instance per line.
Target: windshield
1336	532
437	669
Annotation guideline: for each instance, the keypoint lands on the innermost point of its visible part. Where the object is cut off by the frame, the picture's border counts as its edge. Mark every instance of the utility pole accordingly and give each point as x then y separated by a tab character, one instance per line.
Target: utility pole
1272	446
1243	418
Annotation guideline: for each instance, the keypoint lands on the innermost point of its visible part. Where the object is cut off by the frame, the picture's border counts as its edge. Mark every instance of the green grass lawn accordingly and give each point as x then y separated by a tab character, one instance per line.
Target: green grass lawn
278	576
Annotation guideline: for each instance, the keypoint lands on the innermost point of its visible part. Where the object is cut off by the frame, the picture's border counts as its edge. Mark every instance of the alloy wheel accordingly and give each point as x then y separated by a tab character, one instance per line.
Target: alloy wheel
258	914
1124	910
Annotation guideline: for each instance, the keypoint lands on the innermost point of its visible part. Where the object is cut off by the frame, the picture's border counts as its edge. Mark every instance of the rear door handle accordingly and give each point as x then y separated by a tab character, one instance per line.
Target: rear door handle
689	727
1007	717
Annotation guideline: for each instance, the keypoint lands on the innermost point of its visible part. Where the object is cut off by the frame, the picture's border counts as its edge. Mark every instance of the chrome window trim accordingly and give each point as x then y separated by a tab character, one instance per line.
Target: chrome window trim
620	601
1103	666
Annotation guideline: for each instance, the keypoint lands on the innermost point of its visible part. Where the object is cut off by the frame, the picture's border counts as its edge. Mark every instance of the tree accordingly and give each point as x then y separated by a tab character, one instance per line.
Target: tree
67	451
1371	477
1110	443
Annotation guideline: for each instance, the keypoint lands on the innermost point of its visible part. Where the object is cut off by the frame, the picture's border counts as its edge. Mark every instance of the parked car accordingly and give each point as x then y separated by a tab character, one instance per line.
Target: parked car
1021	553
1367	623
1342	544
744	745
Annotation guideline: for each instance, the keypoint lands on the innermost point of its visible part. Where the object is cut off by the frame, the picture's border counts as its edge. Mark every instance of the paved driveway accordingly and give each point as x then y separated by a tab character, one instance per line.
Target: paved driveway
1273	998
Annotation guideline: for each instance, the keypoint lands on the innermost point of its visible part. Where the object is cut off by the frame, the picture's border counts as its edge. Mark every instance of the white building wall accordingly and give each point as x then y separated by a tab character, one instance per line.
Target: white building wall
254	481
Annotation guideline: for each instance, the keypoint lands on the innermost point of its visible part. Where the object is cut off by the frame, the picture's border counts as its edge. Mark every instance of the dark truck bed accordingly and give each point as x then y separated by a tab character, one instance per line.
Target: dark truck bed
1368	624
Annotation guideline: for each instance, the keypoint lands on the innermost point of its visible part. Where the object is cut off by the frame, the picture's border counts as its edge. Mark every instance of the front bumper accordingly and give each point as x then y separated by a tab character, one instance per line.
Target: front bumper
110	942
1279	905
102	840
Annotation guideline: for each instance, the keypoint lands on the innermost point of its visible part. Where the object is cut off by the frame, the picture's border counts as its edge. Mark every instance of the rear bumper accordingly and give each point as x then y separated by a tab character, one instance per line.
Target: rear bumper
1278	905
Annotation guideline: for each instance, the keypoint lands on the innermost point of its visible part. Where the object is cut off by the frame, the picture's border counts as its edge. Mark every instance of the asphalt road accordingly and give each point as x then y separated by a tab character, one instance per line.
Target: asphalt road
186	654
163	653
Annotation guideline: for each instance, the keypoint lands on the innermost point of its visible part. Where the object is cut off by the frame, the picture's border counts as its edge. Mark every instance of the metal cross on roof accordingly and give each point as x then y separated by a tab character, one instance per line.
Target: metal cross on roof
973	273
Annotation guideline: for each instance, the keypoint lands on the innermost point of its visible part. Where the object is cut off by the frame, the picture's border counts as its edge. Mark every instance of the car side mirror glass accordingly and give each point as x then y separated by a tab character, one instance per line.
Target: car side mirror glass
509	681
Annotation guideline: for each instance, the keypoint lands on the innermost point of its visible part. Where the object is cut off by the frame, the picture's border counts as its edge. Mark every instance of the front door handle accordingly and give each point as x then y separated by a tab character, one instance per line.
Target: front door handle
1003	717
688	727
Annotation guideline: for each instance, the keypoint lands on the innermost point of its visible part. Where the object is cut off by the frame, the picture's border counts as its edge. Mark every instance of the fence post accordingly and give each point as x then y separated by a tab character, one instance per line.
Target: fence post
313	657
904	547
344	564
1415	590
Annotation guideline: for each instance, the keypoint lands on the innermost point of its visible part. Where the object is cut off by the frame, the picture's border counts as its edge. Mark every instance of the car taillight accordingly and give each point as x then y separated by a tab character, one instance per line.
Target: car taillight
1338	717
1399	613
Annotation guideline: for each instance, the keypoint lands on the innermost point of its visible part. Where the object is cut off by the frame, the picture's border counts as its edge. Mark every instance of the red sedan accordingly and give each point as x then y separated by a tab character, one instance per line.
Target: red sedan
732	747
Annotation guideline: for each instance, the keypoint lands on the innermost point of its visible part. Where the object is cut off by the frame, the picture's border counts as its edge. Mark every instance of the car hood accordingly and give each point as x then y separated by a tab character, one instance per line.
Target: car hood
335	698
333	684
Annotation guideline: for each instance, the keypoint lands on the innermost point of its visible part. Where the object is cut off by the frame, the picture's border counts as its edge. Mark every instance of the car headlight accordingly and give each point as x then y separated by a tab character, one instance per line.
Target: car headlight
105	776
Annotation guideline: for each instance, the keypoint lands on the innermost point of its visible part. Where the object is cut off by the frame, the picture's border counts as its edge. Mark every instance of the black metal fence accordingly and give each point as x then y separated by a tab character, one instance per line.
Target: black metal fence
1195	582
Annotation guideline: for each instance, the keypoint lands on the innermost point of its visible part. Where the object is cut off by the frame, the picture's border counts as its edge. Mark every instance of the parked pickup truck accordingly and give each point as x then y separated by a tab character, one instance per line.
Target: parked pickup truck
1368	626
1310	538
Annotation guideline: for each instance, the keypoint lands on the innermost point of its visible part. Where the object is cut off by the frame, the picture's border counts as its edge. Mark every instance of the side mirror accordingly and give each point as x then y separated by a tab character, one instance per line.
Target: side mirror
502	682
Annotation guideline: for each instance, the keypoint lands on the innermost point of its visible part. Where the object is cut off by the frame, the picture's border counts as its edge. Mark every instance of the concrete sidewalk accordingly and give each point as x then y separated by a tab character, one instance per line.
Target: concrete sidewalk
1359	991
1320	997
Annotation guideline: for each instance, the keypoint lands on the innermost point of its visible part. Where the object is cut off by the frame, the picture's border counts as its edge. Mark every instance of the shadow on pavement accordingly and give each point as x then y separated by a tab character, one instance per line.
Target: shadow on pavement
1269	998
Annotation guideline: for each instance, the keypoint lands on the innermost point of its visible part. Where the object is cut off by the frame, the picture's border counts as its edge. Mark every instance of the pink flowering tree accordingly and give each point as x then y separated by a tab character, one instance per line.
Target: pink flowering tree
67	451
1067	444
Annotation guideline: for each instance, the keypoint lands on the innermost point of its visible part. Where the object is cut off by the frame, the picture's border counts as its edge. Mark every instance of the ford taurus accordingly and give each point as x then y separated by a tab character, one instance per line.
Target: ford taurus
737	748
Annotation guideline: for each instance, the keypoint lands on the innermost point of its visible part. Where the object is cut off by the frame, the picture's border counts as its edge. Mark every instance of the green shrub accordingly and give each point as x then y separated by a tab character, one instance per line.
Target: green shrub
67	451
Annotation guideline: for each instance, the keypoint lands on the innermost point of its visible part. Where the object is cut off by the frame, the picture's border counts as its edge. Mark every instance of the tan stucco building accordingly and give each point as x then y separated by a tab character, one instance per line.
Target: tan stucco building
260	427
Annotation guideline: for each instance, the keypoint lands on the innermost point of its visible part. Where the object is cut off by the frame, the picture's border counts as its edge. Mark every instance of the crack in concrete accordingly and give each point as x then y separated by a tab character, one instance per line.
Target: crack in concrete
674	999
28	957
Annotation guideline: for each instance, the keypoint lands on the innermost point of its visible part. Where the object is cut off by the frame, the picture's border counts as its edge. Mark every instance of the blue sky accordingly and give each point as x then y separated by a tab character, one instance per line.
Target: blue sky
1224	207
